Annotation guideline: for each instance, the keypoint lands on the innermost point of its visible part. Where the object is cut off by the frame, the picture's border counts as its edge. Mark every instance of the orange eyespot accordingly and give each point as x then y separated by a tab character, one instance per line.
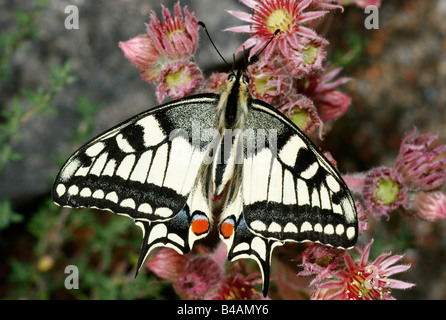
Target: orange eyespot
200	225
227	228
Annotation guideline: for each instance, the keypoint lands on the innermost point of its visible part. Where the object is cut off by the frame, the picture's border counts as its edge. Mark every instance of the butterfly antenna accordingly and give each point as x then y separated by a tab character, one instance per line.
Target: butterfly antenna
255	57
210	39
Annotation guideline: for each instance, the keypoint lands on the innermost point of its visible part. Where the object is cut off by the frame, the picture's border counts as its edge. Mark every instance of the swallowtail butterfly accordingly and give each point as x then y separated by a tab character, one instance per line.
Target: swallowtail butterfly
172	167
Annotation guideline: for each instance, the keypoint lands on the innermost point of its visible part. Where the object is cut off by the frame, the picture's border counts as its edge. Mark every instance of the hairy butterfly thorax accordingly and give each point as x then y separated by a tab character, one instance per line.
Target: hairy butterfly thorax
269	183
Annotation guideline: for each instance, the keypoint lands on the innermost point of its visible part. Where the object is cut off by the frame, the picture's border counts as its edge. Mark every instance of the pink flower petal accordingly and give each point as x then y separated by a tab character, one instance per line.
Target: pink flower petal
241	15
387	263
242	29
365	253
250	3
302	5
311	15
306	32
398	284
396	269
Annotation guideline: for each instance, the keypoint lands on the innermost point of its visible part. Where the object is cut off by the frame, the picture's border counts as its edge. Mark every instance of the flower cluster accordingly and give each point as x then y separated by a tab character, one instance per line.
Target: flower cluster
291	73
203	275
291	66
343	278
288	70
414	181
164	54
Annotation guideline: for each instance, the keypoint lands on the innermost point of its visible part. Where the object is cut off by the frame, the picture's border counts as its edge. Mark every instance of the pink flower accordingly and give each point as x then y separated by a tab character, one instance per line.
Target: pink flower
179	79
168	264
363	280
326	4
430	206
382	192
216	82
236	286
302	112
330	103
305	58
269	15
141	52
320	260
175	38
268	81
421	162
202	274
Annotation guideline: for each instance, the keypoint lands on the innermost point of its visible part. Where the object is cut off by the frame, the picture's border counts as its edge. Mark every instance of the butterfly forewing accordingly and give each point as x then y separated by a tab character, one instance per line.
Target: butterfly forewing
148	168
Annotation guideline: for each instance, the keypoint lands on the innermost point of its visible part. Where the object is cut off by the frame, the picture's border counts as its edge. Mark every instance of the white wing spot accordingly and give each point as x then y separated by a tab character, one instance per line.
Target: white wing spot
73	190
340	229
318	227
163	212
112	196
128	203
259	246
349	210
306	226
60	189
274	227
176	238
95	149
158	231
69	170
329	229
241	247
145	208
85	192
258	225
123	144
350	232
310	171
288	154
98	194
332	183
153	134
290	228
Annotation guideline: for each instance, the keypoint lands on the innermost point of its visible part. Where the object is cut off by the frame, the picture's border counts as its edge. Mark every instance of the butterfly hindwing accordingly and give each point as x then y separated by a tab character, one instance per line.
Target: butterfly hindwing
150	169
289	192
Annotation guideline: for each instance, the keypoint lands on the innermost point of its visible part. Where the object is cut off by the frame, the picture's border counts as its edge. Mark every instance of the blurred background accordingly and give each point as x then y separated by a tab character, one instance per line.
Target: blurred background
60	87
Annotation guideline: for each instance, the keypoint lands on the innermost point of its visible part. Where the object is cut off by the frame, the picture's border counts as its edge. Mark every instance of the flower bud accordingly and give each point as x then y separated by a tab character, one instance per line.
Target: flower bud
430	206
